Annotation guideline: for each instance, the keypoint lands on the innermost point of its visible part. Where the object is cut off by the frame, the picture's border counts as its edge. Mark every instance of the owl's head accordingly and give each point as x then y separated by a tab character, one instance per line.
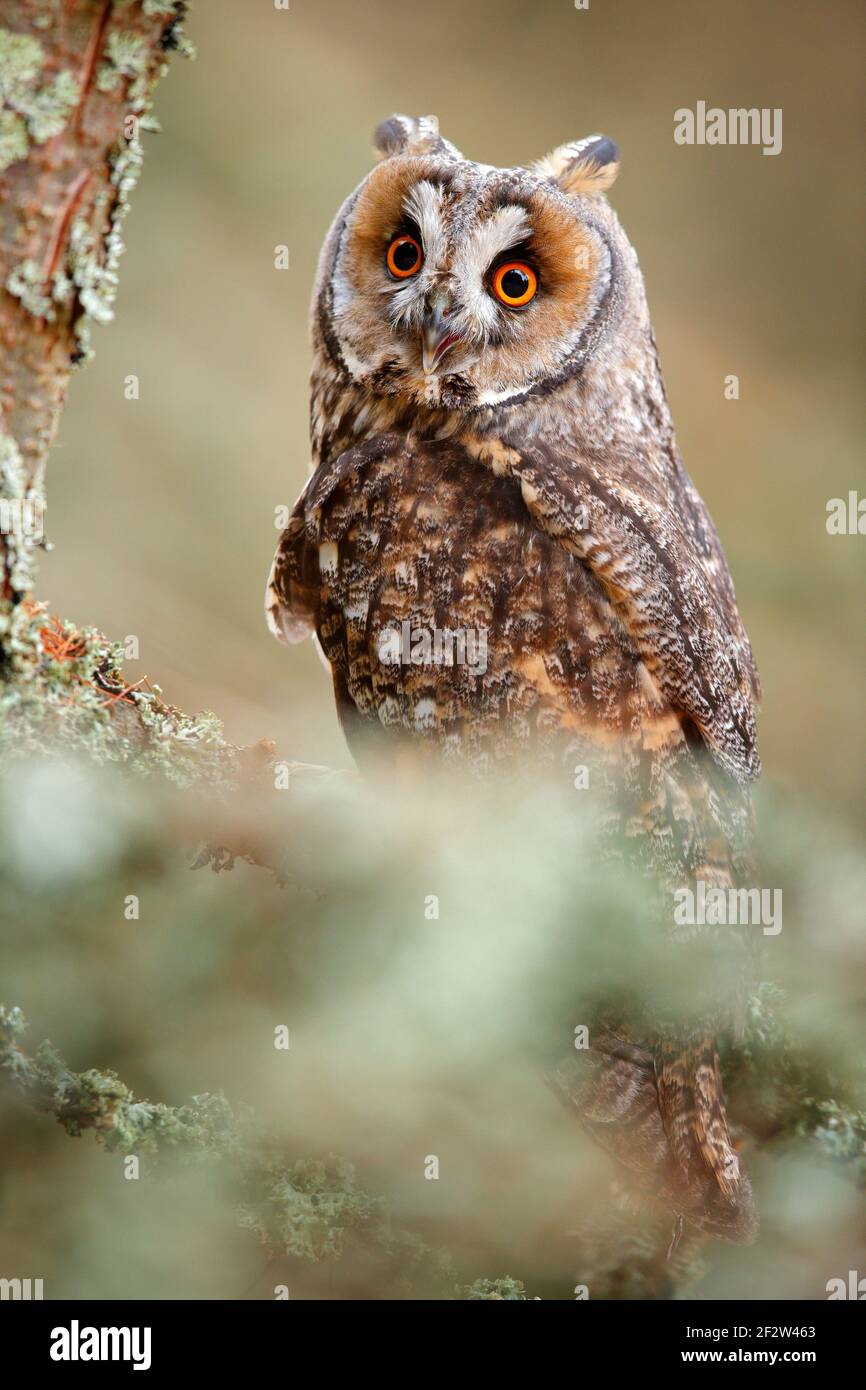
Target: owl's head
449	282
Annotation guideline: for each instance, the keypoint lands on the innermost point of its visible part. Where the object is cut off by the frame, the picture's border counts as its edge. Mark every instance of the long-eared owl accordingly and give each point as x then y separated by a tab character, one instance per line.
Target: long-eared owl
493	456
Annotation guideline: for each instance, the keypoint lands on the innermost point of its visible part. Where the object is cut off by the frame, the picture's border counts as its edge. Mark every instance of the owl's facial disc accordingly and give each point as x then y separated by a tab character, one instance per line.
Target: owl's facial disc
459	278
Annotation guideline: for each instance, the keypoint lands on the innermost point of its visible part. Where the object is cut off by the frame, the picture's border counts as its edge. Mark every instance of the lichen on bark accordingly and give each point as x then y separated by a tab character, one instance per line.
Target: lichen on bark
36	106
75	95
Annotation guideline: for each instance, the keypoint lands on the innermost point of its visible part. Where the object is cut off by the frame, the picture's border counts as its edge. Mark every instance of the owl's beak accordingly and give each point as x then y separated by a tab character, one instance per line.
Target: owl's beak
436	339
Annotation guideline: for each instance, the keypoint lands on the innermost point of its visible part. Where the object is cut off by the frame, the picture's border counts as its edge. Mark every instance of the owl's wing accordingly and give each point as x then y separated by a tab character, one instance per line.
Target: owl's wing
638	523
293	591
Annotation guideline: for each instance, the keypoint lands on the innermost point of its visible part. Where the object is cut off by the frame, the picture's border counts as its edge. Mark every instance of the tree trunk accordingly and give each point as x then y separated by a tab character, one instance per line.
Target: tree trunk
76	78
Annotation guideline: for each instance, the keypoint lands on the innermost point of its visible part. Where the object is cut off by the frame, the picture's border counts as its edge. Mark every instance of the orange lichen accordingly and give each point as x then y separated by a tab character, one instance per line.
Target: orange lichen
57	641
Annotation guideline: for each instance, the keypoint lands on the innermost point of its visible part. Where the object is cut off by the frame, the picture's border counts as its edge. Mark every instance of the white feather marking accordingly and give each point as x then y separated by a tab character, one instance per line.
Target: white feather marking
357	612
425	714
424	205
494	397
329	560
507	227
389	711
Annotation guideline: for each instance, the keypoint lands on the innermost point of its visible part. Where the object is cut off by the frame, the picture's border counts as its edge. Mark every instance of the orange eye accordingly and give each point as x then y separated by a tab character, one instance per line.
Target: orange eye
515	283
404	257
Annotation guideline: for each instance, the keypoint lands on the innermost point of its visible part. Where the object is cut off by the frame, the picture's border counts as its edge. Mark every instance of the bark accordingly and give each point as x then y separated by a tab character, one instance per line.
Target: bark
76	77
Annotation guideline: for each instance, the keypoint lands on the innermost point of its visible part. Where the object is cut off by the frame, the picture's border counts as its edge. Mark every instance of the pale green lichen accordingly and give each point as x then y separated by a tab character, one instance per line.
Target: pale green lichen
13	138
497	1290
21	58
24	282
126	55
69	692
48	111
12	474
776	1073
61	287
306	1208
95	280
94	274
32	110
126	164
173	38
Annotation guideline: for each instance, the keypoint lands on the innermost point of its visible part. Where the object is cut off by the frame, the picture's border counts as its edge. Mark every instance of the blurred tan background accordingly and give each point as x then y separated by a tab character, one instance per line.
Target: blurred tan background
161	509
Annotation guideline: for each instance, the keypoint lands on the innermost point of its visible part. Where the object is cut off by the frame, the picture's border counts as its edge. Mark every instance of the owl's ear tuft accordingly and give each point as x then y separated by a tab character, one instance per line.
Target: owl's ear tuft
412	135
584	166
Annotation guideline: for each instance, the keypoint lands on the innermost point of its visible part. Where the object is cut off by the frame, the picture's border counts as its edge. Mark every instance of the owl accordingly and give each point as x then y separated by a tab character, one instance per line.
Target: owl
505	564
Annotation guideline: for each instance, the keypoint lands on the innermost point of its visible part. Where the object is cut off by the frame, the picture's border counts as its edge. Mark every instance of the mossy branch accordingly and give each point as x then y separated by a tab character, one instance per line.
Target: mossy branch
302	1208
69	694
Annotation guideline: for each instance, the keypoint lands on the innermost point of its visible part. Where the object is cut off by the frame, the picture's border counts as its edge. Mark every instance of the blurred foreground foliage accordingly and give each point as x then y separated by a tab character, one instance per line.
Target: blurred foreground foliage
422	950
306	1208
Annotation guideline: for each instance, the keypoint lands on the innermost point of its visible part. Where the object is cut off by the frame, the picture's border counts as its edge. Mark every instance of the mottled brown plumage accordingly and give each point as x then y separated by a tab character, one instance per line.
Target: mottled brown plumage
481	469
